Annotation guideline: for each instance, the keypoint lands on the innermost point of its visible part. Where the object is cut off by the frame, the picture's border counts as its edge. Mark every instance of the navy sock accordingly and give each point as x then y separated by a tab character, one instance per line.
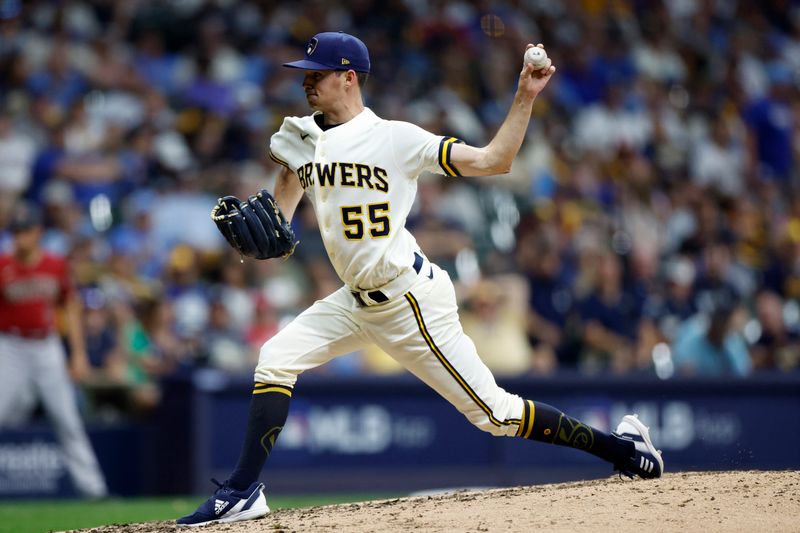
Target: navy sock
545	423
269	408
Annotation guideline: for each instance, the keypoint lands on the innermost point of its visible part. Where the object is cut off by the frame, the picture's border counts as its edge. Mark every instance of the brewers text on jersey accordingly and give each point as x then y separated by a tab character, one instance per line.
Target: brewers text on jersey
343	175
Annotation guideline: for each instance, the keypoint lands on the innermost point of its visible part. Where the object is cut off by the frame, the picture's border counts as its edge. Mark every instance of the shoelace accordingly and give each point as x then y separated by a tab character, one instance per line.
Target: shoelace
624	472
623	468
221	487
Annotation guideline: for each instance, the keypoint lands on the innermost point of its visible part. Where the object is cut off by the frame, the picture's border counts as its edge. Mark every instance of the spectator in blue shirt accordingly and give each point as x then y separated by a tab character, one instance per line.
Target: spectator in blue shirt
771	122
57	79
611	316
551	302
711	345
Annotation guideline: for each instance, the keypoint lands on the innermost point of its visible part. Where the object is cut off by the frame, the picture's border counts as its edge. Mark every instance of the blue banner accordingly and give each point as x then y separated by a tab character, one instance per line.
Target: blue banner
396	434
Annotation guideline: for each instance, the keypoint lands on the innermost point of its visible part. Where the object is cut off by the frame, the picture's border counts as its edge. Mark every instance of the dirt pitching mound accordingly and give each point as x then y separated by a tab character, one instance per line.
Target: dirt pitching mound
707	502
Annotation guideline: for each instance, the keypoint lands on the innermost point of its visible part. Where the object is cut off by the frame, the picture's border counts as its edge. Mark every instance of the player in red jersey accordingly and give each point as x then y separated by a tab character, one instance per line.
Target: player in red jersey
33	365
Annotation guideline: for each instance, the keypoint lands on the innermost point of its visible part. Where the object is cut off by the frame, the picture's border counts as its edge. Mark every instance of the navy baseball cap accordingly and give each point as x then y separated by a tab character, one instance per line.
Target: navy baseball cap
334	50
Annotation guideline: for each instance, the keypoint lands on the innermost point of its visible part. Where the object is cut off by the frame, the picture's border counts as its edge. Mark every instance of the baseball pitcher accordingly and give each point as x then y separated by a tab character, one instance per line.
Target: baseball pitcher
360	173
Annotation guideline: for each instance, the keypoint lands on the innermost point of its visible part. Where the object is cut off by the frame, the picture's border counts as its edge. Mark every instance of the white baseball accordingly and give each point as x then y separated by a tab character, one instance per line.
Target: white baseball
536	56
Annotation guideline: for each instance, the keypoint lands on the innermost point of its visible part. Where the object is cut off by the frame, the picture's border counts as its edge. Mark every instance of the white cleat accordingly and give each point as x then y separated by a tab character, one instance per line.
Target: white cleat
646	462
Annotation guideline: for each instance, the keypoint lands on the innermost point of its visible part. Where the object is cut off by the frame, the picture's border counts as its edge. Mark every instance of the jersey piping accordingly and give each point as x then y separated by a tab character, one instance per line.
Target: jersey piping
445	149
261	388
412	301
528	415
279	160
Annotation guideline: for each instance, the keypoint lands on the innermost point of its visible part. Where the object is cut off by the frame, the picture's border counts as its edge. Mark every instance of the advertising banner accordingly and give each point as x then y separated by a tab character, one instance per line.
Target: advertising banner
398	434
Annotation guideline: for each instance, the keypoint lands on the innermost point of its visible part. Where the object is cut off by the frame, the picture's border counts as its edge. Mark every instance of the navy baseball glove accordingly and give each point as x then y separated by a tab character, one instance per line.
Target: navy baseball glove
254	227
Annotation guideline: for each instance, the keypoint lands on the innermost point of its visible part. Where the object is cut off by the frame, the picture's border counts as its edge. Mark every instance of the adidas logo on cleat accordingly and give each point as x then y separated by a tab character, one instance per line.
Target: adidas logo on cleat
219	506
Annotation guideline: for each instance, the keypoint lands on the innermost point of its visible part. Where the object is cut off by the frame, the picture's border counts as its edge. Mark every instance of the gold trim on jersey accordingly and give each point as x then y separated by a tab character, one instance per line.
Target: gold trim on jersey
445	148
347	171
363	176
261	388
355	223
375	221
279	160
523	422
326	174
376	214
449	366
531	418
380	175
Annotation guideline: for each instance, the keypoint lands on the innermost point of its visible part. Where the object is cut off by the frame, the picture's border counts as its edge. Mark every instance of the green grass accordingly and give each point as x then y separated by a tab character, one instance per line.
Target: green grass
58	515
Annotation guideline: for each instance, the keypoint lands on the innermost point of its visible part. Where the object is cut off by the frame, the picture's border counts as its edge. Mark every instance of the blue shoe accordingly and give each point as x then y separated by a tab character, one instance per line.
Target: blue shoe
646	461
228	505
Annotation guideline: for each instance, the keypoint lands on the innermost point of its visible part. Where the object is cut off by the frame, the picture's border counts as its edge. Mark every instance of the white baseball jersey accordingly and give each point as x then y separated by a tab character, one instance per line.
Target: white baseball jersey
361	177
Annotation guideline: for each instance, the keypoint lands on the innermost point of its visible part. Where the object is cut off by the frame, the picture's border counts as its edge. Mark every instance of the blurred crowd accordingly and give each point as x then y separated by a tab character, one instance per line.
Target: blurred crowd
651	222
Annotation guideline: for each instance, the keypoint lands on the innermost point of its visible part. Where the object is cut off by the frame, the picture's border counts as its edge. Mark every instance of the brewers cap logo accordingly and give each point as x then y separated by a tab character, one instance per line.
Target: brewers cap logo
312	45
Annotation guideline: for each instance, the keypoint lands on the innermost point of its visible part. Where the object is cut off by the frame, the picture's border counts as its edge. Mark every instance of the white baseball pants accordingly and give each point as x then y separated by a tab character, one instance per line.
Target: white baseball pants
36	368
421	330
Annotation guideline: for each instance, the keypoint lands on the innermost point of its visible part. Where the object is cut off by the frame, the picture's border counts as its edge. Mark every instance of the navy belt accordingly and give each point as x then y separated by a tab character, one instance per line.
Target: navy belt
378	296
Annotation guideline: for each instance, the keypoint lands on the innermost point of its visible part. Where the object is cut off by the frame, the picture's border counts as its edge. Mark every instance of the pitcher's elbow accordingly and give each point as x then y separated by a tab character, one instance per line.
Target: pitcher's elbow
501	169
492	163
